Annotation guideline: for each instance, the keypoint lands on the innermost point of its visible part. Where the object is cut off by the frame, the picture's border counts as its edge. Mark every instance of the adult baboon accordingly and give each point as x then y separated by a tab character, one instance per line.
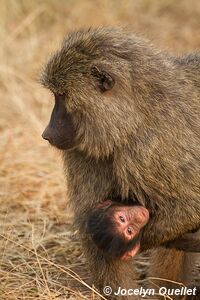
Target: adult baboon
127	118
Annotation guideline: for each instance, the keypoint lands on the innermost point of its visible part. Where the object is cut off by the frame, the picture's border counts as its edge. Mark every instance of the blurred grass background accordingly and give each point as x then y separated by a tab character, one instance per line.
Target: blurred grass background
37	242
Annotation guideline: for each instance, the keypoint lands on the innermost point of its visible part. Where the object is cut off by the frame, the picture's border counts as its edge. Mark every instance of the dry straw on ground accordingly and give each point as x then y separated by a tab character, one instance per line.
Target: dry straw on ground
39	250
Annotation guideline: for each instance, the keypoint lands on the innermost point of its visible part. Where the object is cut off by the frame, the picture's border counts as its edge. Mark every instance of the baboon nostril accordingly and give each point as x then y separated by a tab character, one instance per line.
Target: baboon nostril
45	135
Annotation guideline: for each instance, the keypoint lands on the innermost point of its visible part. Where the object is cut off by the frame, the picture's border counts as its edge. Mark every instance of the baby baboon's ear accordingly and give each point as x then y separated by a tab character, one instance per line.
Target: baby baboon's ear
104	80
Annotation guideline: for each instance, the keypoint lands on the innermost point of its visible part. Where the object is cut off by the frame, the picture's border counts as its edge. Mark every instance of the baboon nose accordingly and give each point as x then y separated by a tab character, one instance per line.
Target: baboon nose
45	135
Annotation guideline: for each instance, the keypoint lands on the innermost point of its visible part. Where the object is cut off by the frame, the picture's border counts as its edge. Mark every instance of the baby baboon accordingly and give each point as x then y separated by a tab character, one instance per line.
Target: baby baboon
117	230
127	118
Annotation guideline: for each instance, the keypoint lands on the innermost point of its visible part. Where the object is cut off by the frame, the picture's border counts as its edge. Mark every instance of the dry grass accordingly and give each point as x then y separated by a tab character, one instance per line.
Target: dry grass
37	243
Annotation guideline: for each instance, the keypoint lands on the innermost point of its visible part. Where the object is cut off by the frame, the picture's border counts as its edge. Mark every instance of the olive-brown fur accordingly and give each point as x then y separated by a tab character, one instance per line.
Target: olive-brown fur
140	138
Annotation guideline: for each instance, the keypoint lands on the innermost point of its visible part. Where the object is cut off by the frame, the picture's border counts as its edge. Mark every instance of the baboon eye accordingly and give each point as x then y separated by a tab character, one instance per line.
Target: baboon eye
130	230
60	96
122	219
105	81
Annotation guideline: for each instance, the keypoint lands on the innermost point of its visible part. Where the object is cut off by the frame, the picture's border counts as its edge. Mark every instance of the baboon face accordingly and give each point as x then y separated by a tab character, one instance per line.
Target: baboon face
90	81
62	129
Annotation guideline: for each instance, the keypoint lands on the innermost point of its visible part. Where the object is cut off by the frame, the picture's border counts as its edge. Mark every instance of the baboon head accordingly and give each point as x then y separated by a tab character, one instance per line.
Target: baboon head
91	77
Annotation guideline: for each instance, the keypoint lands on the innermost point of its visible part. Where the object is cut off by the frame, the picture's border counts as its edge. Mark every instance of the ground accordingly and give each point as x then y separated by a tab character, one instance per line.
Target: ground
39	250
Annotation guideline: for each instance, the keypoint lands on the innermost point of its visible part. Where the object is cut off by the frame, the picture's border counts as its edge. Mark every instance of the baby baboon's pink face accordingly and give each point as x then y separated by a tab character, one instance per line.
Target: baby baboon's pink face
129	221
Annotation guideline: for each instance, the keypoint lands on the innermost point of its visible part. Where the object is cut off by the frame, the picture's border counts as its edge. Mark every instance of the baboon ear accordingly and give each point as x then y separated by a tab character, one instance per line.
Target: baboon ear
105	81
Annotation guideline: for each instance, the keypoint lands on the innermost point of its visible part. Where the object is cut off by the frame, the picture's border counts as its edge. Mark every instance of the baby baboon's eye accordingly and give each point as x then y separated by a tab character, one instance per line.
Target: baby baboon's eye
122	219
130	230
